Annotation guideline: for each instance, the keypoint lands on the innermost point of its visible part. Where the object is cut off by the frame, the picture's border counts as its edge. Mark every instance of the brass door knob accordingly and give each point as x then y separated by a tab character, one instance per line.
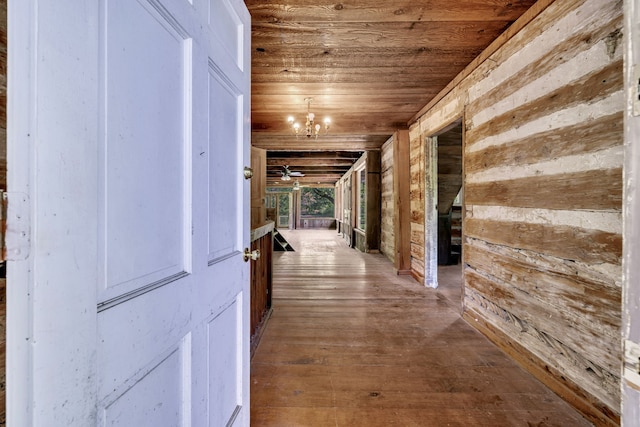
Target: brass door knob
249	254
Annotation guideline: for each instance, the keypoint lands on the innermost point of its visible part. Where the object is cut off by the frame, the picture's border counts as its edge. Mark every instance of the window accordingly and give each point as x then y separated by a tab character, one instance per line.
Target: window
279	199
362	198
317	202
283	209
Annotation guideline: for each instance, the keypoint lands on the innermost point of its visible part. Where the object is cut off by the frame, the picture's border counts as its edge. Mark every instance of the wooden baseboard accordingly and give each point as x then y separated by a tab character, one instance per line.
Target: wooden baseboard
417	277
590	408
255	338
403	272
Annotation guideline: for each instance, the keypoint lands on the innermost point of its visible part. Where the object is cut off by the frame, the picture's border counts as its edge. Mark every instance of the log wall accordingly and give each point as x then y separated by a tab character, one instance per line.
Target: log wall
417	189
542	223
387	228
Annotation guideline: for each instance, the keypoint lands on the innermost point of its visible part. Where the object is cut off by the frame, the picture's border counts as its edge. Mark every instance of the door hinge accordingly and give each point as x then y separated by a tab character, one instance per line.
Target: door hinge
17	229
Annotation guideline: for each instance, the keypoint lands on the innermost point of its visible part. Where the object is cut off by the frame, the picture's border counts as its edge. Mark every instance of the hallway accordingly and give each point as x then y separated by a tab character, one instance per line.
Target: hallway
352	344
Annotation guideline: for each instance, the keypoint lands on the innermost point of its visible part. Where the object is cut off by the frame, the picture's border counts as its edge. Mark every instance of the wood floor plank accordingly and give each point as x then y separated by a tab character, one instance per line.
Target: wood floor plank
352	344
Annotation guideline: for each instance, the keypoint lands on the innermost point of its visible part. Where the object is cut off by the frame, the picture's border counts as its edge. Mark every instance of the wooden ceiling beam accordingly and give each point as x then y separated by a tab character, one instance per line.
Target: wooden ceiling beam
312	155
343	128
308	170
323	178
311	144
298	163
281	145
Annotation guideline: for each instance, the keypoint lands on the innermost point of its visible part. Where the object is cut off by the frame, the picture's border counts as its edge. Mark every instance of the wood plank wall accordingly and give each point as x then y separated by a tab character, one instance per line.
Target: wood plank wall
258	187
543	194
387	228
417	190
261	284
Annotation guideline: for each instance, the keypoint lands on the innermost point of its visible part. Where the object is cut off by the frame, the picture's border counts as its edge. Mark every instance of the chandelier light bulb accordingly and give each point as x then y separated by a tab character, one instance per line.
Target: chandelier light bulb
311	128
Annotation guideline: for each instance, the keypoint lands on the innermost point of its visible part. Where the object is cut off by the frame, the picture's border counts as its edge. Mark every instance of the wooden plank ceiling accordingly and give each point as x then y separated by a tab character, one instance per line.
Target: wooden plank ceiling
369	65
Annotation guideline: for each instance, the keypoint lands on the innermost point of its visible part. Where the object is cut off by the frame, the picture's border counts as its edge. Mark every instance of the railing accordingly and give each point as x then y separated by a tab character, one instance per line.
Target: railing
324	223
261	281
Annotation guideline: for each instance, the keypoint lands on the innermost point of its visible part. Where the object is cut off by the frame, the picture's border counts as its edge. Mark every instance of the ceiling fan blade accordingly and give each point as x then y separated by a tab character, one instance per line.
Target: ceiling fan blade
296	174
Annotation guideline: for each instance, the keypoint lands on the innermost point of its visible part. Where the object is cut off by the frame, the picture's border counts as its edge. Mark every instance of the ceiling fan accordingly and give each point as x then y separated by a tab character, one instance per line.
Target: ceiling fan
287	173
297	186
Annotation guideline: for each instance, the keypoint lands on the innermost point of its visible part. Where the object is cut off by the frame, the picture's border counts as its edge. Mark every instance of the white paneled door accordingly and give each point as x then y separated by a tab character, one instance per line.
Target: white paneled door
128	294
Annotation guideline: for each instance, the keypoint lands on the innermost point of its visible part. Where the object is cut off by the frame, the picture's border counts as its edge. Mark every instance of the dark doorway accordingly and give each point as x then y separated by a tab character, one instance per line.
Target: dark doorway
449	194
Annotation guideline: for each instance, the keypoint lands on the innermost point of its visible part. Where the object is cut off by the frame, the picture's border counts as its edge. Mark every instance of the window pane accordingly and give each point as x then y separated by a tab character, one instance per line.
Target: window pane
317	202
363	197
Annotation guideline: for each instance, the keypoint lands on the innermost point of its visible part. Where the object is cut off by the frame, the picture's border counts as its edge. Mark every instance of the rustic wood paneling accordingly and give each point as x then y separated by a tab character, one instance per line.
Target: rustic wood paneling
433	34
402	201
543	196
598	85
578	244
594	410
258	187
437	62
592	303
387	227
584	39
261	285
500	44
533	309
416	197
369	65
583	137
397	10
594	189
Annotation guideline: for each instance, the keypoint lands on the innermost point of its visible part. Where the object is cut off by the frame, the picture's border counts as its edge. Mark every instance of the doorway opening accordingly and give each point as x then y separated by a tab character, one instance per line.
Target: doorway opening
443	201
450	195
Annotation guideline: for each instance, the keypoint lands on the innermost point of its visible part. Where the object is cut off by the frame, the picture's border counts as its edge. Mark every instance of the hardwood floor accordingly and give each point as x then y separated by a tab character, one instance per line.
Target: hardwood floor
352	344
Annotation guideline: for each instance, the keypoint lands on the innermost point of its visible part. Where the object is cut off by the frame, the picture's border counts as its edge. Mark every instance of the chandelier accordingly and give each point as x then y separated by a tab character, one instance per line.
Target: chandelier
311	128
